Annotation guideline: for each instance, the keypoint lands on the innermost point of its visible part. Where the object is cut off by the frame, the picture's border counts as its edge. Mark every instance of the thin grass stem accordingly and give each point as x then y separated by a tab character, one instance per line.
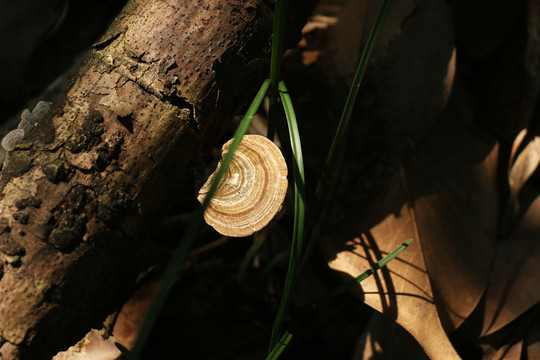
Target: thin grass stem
363	276
280	346
299	212
351	98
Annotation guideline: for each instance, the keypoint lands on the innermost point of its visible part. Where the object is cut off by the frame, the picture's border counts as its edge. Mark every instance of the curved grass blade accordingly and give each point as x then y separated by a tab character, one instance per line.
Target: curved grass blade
299	212
351	98
298	163
280	346
277	50
363	276
180	252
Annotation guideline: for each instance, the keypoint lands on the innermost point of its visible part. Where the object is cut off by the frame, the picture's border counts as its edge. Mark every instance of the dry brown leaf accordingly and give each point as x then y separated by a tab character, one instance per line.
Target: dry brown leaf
446	199
533	351
532	340
526	162
401	290
404	91
385	340
507	352
529	96
514	285
92	347
511	341
404	49
452	183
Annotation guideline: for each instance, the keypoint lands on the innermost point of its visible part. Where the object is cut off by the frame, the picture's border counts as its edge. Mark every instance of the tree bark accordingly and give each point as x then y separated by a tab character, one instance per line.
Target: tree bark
80	194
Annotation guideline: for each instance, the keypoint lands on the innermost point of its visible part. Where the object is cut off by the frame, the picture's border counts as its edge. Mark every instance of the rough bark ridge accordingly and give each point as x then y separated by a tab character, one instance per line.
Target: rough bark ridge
84	185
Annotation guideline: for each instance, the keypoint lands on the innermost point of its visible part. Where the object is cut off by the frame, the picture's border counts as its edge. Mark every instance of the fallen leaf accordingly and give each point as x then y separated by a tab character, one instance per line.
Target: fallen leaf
453	190
383	339
532	340
529	95
404	91
511	341
526	158
401	290
394	92
514	287
526	163
92	347
445	198
507	352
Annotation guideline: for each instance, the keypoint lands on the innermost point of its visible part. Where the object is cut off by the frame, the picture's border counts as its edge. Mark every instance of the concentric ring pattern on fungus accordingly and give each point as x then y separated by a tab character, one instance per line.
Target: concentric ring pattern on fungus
251	192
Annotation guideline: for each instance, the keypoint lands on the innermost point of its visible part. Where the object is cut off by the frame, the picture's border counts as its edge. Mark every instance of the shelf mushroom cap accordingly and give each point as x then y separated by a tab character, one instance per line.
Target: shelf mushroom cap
12	139
251	191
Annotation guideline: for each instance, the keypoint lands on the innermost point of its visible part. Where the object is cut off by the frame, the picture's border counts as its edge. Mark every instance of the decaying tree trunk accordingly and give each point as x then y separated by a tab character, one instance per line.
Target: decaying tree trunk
80	193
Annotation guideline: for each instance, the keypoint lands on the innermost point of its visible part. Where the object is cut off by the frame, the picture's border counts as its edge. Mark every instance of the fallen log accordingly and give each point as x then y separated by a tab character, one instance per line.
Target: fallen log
83	189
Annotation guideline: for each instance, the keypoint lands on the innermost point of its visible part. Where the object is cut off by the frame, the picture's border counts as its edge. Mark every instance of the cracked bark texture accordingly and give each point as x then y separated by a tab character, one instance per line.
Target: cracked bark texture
78	195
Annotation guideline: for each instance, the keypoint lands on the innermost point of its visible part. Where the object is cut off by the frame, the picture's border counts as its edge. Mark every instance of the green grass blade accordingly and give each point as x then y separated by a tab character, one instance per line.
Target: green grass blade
299	212
351	98
298	163
181	250
280	11
349	284
280	346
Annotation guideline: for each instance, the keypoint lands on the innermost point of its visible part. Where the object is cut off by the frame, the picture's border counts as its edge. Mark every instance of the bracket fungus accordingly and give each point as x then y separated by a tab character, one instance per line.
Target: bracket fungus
29	120
12	139
251	191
